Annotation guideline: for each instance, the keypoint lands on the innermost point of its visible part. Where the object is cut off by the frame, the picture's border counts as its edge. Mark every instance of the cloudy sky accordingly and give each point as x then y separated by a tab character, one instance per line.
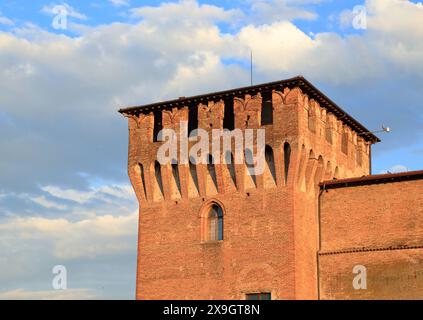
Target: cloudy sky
64	193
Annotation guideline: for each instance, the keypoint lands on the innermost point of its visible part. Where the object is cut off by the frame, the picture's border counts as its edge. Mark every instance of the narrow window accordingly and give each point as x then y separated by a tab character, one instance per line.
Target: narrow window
158	182
158	126
270	171
192	118
143	179
229	119
215	218
266	108
287	159
259	296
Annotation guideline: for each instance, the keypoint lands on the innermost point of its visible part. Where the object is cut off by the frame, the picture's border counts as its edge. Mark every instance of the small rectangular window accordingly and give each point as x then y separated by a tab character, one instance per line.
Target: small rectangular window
229	118
258	296
158	126
192	118
266	108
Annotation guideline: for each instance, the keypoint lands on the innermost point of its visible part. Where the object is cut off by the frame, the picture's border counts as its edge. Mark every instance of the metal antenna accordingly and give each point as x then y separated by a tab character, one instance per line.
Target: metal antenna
251	68
384	129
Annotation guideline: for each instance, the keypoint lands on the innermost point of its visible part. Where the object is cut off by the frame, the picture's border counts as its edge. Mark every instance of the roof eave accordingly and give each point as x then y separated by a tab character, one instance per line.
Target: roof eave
372	179
298	81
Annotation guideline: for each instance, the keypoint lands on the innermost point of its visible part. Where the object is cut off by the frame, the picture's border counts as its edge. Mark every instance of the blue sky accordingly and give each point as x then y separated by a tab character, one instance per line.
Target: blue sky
65	198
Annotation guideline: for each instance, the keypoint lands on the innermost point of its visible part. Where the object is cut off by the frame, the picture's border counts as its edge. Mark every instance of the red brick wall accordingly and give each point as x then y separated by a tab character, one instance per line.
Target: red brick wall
387	217
270	232
391	274
256	254
371	216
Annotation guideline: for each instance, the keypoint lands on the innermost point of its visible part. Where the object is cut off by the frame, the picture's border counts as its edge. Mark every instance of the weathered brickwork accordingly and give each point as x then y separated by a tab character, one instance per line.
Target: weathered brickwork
271	221
379	226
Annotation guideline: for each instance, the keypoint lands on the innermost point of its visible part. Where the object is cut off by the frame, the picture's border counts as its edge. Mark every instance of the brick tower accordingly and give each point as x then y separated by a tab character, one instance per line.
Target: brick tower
212	231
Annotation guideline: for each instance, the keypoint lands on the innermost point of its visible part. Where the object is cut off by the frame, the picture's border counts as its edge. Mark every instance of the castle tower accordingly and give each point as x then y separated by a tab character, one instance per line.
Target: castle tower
219	231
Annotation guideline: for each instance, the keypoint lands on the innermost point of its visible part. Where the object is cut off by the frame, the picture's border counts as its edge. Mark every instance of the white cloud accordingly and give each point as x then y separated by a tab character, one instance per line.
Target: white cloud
93	239
42	201
187	13
69	294
5	21
346	18
120	3
89	238
19	71
52	9
99	193
265	11
70	194
283	39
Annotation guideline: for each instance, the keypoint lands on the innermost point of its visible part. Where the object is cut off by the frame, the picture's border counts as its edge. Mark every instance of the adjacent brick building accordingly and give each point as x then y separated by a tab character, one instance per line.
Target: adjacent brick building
213	231
377	222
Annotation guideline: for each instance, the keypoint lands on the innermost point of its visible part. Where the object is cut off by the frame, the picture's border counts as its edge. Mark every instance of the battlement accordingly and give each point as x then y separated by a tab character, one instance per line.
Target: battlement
308	138
298	82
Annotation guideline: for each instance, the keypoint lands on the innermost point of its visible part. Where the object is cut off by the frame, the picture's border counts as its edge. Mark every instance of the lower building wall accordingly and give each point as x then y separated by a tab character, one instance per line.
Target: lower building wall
257	254
378	226
287	243
390	274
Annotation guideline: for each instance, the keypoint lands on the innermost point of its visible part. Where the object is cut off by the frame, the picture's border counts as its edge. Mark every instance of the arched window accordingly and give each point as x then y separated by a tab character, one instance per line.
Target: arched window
215	223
